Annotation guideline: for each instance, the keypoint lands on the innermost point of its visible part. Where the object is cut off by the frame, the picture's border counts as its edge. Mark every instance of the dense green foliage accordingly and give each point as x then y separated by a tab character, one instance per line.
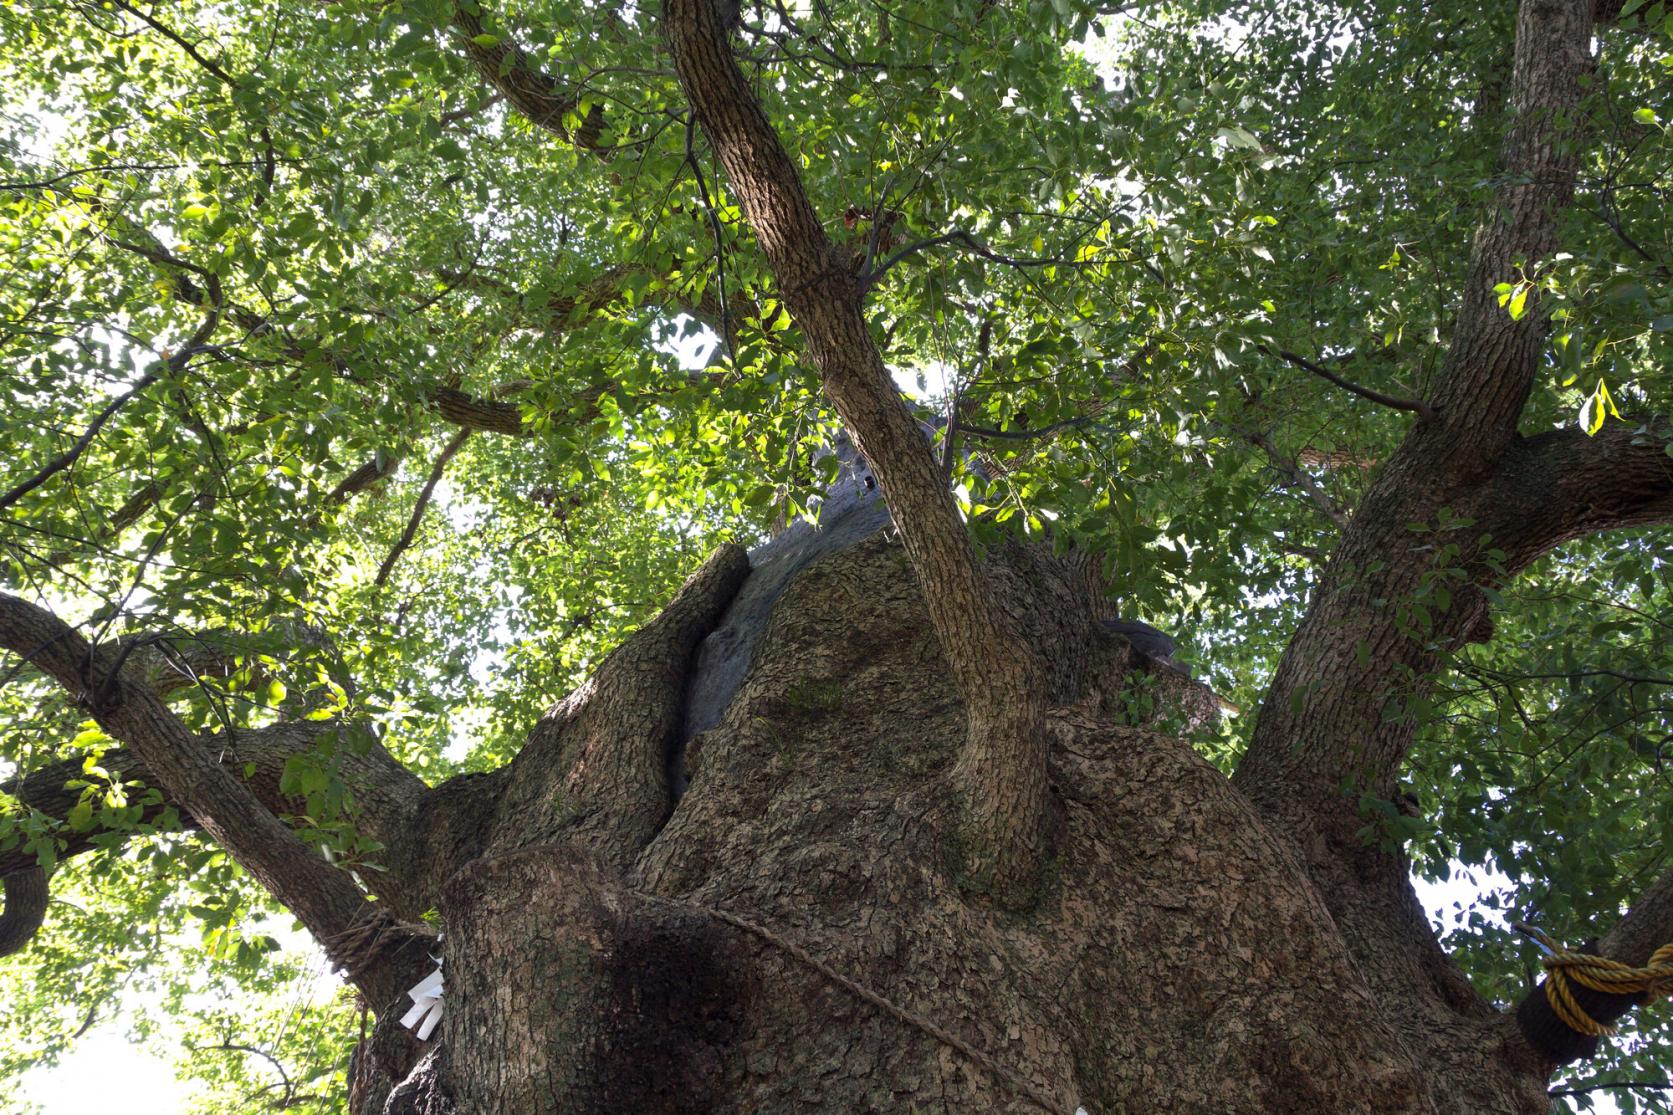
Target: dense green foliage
314	224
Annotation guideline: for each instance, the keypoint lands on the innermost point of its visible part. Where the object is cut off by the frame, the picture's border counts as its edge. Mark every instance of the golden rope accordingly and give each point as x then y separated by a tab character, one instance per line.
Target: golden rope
1564	968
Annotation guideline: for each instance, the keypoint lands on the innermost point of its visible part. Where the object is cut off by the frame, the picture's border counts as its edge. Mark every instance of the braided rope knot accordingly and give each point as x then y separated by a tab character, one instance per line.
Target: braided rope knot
1565	968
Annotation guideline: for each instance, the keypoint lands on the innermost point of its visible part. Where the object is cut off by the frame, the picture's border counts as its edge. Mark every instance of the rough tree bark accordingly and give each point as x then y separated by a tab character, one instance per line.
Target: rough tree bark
922	860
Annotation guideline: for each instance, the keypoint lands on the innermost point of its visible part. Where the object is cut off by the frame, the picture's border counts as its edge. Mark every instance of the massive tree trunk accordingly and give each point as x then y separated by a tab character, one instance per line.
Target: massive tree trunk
797	934
862	823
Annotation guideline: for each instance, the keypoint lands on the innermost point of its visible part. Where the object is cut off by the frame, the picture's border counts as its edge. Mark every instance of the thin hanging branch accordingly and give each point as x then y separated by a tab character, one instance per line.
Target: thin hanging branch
171	362
1416	406
1027	435
964	240
725	330
418	510
1297	476
1646	1085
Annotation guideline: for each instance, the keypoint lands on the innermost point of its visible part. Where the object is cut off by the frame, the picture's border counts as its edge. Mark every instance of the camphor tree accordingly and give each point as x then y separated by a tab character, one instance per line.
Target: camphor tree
392	389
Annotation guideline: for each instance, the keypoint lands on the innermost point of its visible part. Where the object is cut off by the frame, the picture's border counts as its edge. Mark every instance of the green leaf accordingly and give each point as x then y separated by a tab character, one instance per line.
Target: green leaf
1596	408
1519	302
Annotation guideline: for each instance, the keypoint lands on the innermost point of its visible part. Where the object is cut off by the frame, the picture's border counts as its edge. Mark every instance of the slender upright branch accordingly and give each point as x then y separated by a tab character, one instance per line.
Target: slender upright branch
1001	771
1491	366
1333	733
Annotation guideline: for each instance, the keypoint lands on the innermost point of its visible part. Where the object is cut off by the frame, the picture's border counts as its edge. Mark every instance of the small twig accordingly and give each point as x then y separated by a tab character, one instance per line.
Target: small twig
949	434
1647	1085
93	1011
448	119
871	278
284	1077
1297	476
1028	435
1416	406
878	210
423	502
1015	1081
110	168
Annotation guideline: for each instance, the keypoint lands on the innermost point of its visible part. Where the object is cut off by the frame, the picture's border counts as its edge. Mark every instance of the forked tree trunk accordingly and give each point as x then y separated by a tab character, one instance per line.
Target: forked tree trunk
1178	959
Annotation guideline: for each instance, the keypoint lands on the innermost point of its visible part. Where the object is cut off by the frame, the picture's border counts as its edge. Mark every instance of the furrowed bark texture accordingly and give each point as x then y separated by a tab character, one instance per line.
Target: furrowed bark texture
26	897
1465	502
596	769
1321	729
1179	958
1002	767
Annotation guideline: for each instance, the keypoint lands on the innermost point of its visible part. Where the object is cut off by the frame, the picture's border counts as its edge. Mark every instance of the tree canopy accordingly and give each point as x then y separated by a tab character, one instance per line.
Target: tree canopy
382	365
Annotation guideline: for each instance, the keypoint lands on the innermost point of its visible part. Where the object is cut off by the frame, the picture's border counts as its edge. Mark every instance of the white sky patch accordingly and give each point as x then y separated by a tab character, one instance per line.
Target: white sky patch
690	342
1450	904
102	1073
926	381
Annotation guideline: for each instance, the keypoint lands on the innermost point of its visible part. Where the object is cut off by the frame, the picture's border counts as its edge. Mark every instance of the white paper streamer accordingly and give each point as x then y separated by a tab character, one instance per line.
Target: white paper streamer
425	1014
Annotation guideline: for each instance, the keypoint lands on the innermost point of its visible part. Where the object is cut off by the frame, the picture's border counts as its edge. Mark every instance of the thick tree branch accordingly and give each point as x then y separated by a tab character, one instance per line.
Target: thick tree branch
1001	771
368	475
1322	726
1331	736
539	97
325	899
1561	485
1490	368
387	795
561	309
1645	928
25	896
472	412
